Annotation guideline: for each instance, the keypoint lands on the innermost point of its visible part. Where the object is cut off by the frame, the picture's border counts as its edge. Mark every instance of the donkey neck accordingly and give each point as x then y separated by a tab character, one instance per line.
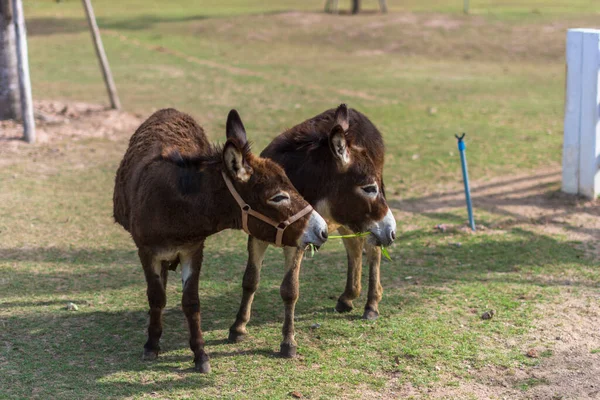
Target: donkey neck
214	201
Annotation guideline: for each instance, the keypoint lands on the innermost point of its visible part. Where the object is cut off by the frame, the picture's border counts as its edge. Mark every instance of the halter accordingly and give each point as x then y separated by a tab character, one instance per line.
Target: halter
246	209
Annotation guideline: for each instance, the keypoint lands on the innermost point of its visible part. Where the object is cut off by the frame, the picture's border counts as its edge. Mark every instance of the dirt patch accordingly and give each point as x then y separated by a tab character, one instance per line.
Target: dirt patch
443	21
567	341
57	121
529	201
304	19
433	35
566	338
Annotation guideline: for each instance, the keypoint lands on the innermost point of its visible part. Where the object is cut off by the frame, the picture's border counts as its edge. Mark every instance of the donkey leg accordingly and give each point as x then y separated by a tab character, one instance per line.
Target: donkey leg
157	299
290	290
190	302
354	248
375	288
256	255
164	273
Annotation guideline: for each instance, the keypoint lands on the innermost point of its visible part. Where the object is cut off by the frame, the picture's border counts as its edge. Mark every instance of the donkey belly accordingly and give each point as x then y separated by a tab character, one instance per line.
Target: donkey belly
179	253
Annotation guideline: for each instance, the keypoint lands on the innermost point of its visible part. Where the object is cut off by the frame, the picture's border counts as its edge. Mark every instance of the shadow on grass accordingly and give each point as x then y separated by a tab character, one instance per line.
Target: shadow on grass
96	345
52	270
72	256
523	257
99	345
44	26
530	199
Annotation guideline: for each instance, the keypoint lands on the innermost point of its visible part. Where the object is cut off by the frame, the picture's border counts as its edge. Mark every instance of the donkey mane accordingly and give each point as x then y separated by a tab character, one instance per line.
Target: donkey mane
313	134
190	166
213	156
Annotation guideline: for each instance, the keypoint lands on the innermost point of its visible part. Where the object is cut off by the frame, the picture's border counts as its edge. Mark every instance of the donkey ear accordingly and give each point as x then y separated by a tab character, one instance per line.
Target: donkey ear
341	117
235	128
339	145
235	164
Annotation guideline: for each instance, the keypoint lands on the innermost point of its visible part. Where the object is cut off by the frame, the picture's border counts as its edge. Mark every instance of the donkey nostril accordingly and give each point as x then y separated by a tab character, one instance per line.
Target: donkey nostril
393	235
324	235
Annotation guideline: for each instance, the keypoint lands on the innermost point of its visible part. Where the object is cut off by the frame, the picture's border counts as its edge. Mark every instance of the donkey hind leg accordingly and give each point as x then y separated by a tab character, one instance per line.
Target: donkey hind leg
375	288
354	248
256	255
190	273
290	290
156	280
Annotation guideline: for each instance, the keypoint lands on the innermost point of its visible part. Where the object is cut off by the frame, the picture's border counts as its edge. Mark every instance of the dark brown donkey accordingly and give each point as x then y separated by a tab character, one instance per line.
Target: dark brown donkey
173	190
335	160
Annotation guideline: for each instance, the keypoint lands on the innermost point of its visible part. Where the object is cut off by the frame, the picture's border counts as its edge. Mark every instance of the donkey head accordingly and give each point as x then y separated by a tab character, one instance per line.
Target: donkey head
265	188
357	198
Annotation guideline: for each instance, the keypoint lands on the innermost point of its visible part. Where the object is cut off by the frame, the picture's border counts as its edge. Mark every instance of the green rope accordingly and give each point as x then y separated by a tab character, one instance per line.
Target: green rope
384	251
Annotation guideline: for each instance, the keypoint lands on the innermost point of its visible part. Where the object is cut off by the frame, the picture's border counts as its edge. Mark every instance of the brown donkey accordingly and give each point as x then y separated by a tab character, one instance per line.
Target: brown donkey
335	160
173	190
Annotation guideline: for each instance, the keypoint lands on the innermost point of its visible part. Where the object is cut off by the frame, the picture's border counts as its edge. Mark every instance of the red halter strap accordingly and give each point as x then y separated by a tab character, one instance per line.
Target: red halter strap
247	210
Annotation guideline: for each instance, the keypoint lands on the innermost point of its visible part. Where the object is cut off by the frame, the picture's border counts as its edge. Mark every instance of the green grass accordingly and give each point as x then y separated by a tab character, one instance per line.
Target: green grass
531	382
280	68
58	242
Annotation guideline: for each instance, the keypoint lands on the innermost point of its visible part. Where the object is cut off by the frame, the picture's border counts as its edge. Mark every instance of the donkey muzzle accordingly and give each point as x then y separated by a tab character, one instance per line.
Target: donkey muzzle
315	232
383	232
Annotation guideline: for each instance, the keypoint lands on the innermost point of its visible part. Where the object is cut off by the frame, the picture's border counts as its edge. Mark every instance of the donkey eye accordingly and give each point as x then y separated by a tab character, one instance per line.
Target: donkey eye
370	189
279	197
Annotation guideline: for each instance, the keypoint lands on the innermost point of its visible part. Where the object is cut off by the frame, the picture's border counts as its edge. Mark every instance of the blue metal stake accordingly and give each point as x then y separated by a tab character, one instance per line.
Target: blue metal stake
463	160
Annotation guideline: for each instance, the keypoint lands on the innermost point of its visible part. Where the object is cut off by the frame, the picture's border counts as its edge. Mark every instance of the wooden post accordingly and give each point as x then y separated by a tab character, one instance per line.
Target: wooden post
331	6
355	6
581	148
9	80
23	70
108	79
466	6
383	6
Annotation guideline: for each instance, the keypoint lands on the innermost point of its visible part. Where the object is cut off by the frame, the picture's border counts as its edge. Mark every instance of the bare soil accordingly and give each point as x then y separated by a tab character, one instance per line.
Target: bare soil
569	332
57	121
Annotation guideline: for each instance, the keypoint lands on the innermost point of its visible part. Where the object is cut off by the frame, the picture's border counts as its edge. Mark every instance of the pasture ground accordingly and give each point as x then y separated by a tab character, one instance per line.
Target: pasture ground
422	73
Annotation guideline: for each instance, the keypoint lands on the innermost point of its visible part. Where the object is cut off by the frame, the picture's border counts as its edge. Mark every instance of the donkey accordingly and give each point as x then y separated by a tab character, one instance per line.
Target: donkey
173	190
335	160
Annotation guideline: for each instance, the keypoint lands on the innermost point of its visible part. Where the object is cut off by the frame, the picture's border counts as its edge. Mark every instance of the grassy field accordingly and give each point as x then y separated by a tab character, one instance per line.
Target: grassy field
421	73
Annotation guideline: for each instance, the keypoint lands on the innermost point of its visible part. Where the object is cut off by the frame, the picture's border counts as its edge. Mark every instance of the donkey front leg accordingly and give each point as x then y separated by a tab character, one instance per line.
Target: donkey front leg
375	288
354	248
256	255
290	290
190	273
156	280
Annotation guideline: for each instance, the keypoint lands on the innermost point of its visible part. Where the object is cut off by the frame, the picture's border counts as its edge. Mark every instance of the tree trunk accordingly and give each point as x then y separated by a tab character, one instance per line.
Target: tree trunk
9	79
355	6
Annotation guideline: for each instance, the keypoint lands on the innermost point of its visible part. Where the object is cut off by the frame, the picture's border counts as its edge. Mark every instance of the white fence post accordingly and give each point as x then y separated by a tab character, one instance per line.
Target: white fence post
23	70
581	148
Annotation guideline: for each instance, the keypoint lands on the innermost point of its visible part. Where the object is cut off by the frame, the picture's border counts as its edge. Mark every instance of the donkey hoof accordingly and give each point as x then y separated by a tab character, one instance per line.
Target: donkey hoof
370	314
149	355
202	364
202	367
287	350
236	337
343	306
